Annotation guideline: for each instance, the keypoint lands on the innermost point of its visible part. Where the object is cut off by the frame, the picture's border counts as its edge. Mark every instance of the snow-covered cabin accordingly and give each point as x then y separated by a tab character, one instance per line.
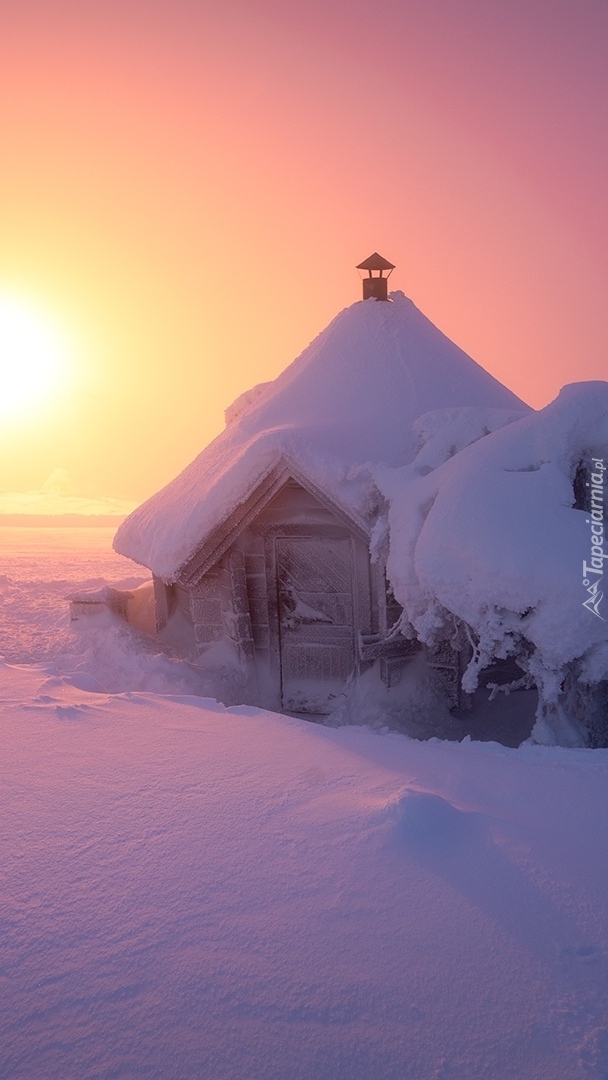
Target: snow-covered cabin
260	548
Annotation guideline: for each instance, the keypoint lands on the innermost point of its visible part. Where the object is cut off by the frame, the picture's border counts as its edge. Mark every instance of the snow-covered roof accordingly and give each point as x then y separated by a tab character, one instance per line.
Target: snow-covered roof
349	399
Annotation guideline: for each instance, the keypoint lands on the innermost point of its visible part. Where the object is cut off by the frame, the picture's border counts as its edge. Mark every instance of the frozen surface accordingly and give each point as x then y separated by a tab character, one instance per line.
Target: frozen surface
190	891
39	568
350	398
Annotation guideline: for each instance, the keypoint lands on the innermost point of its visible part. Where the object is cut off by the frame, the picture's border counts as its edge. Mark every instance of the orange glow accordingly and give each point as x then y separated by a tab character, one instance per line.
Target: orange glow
190	186
33	361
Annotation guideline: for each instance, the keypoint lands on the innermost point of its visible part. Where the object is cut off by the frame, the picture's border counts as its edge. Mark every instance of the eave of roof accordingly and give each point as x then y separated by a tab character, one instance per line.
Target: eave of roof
224	536
375	262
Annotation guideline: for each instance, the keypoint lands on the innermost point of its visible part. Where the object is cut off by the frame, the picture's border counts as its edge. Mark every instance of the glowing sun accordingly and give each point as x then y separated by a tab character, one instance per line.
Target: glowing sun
33	359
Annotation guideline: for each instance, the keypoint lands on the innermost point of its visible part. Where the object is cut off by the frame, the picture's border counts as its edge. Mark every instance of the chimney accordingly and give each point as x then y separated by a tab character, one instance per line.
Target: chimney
375	284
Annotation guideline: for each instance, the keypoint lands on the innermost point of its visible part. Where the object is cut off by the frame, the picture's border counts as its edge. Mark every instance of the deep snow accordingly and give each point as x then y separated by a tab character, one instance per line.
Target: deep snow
490	535
190	891
194	892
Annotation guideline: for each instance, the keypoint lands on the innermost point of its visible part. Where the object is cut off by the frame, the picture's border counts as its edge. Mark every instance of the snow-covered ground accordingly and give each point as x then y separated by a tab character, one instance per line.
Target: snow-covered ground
39	567
198	892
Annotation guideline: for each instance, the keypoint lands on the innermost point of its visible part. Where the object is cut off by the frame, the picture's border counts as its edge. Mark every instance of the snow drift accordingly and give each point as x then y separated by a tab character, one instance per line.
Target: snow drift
490	537
193	891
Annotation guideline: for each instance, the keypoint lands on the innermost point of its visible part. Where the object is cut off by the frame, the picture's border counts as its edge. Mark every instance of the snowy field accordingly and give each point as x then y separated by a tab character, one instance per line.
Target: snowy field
195	893
39	567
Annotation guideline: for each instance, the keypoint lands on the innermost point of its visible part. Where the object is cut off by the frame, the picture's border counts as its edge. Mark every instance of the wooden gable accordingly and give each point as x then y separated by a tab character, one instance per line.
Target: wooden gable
224	536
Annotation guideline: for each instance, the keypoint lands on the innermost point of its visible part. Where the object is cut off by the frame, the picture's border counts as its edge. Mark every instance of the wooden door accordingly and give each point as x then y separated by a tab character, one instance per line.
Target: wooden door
316	621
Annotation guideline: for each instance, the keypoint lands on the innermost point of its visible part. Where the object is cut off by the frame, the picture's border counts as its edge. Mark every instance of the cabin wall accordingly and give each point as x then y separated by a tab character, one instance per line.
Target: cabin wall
206	602
181	600
219	610
252	547
237	601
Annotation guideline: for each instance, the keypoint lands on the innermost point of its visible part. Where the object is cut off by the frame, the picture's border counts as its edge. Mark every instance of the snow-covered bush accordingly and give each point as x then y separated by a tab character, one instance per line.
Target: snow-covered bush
491	536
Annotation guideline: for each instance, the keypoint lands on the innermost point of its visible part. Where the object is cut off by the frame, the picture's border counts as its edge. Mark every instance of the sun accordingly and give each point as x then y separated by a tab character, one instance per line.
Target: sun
33	359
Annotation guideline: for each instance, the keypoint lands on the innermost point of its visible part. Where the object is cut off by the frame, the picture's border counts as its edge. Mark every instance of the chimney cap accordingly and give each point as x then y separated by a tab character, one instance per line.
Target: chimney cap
375	262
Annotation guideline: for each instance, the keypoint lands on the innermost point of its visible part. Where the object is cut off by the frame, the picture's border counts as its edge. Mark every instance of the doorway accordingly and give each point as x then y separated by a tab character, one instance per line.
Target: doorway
315	620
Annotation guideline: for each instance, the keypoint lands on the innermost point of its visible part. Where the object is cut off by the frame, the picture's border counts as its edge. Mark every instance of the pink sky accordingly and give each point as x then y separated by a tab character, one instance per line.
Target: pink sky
188	186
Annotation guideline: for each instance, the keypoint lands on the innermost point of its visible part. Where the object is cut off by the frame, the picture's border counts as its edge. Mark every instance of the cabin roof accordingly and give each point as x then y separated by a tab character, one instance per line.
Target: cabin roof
348	400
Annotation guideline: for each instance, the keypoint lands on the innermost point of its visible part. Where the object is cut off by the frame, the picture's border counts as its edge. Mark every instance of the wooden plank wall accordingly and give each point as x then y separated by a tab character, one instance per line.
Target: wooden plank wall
205	609
238	598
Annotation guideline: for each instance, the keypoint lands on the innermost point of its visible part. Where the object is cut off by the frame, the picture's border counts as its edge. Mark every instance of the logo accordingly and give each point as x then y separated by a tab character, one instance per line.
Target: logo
592	603
598	552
